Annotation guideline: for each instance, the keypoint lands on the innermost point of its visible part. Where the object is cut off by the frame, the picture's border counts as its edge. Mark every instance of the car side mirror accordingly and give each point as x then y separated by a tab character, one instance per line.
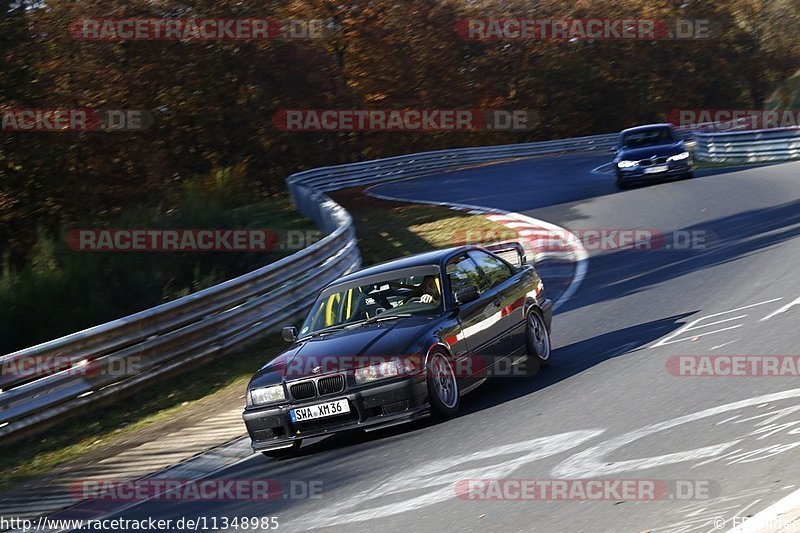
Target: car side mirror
289	334
467	294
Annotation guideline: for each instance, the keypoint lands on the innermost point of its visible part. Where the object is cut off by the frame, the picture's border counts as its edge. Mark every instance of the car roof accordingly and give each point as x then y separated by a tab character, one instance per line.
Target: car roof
647	127
434	257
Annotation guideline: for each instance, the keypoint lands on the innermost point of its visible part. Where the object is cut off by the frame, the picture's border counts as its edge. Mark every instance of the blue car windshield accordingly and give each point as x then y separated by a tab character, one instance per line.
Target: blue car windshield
648	137
410	291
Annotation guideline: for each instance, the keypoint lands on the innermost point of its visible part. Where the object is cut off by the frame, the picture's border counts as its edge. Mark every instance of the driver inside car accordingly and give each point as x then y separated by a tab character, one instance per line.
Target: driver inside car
427	291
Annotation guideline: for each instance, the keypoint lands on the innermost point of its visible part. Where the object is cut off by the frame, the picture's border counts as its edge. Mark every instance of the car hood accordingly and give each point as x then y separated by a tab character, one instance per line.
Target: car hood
663	150
345	349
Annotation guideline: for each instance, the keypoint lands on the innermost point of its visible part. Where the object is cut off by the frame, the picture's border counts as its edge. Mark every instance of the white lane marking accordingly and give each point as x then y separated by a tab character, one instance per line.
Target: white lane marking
781	310
581	255
694	337
745	307
441	478
594	461
725	343
720	321
693	325
734	417
604	169
774	516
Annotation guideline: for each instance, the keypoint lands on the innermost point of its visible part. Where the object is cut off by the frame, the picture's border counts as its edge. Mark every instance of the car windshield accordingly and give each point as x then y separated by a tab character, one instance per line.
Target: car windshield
648	137
399	293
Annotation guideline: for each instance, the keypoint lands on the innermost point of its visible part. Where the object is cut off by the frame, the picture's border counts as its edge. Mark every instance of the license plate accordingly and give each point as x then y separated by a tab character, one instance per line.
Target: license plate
321	410
656	169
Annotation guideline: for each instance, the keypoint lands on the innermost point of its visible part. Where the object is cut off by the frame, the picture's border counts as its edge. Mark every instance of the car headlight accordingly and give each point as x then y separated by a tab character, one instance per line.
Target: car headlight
680	157
266	395
383	370
627	164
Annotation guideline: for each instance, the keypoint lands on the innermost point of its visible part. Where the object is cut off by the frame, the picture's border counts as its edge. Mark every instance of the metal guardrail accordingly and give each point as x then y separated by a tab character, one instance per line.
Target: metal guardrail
416	165
177	334
164	338
748	146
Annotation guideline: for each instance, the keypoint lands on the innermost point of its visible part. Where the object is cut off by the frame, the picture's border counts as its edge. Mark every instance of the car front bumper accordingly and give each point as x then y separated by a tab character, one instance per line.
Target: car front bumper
380	405
676	169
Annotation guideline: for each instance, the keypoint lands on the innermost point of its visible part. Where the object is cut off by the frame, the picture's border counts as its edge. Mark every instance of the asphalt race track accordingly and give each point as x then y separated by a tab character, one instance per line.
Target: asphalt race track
608	406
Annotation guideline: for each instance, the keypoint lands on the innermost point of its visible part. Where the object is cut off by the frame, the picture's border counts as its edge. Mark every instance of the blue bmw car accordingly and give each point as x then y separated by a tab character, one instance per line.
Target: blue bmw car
650	153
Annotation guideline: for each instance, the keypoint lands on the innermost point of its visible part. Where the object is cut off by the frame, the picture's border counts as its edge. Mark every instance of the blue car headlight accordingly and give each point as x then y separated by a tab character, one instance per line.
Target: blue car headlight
680	157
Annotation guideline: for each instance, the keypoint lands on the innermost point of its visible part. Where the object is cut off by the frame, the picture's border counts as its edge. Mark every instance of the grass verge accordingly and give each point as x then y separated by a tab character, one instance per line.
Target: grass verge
388	230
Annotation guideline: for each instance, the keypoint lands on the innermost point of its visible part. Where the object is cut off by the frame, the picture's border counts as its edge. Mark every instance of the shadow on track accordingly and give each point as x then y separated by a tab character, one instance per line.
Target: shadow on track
624	272
573	359
567	361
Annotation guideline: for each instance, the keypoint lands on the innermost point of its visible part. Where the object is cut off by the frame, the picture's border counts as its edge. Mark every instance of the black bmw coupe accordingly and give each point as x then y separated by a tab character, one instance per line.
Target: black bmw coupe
399	341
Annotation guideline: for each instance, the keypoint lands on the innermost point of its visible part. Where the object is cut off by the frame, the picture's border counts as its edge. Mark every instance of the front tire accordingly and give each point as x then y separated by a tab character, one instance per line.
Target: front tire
443	393
538	341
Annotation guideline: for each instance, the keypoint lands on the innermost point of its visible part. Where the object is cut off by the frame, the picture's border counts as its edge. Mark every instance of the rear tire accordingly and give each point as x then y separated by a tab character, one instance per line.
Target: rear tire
443	394
283	453
538	341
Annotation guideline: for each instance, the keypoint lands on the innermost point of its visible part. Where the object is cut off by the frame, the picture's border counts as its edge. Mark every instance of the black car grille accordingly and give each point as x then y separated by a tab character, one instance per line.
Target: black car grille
654	161
331	385
303	390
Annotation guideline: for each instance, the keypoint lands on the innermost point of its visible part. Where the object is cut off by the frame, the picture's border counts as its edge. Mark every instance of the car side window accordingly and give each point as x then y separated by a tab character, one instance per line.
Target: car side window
463	272
495	270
